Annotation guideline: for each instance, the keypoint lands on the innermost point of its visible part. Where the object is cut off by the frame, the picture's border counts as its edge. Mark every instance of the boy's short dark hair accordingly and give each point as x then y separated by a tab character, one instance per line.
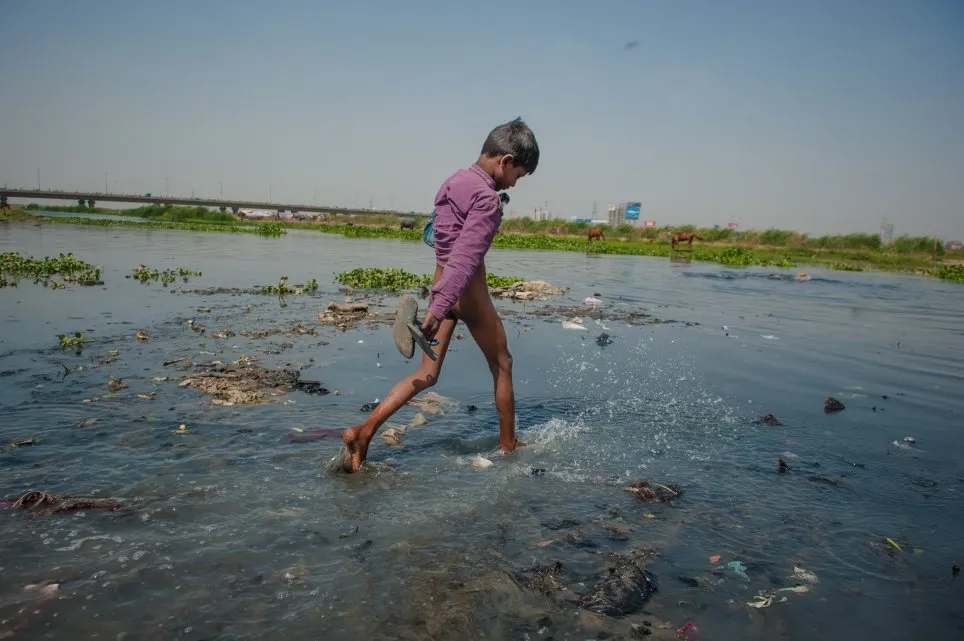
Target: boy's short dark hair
514	138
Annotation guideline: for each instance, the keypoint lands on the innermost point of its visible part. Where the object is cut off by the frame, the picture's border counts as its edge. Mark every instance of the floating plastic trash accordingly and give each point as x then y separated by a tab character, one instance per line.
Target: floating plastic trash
804	575
739	569
573	324
481	463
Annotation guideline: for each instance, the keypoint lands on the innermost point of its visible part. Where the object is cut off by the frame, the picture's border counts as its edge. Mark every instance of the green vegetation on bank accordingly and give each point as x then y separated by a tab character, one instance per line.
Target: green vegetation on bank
772	248
263	229
951	272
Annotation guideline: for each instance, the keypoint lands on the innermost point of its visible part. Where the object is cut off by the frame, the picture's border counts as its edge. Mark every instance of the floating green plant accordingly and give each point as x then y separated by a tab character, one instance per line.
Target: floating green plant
147	275
71	269
396	278
282	288
76	341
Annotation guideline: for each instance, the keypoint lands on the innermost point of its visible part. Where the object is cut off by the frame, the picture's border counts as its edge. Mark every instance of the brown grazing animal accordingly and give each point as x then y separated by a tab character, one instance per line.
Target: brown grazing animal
595	232
684	237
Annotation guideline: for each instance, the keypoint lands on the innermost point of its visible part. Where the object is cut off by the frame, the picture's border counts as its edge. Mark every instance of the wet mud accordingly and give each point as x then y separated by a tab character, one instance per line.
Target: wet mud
245	381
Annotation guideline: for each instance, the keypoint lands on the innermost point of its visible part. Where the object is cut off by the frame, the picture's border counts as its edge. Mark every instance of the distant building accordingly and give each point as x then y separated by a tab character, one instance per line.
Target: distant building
886	233
954	245
542	213
624	214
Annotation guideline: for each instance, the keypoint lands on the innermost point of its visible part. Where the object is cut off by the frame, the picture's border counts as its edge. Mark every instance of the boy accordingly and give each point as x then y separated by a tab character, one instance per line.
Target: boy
468	215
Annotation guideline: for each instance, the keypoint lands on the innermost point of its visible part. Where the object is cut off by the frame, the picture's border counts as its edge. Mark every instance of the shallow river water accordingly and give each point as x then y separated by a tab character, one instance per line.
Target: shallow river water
230	531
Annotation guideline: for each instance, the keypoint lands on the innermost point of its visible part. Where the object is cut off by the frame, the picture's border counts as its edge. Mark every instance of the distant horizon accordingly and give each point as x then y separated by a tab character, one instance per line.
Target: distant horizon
121	205
825	117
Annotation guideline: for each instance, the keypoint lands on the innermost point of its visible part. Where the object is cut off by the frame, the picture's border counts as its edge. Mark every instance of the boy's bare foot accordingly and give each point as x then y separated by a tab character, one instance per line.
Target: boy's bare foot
357	450
510	446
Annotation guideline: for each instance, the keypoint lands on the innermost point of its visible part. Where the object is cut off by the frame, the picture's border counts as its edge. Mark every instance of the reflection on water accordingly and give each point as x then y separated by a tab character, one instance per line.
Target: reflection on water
229	531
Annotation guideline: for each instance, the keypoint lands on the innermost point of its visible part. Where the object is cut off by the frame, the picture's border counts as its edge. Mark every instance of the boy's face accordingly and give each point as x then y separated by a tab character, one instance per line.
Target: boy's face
508	173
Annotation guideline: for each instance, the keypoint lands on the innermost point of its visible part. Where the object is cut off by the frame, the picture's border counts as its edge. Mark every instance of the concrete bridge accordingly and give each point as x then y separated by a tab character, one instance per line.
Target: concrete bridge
89	198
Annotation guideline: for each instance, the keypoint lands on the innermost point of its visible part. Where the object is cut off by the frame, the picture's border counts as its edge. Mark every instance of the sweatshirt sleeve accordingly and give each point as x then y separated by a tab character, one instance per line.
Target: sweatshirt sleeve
481	224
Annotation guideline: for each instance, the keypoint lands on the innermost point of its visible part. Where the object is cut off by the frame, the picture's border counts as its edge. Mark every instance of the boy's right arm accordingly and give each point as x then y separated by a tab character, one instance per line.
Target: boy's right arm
481	224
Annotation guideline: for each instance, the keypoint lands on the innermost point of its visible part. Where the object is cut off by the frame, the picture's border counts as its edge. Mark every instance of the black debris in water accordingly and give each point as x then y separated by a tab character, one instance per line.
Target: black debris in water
542	578
312	387
624	587
603	339
369	407
645	491
832	405
783	466
770	419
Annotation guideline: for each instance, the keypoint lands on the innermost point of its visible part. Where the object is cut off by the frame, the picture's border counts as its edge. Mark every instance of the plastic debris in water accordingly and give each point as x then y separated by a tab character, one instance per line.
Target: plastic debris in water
804	575
797	589
573	324
739	569
714	559
686	629
760	601
894	543
481	463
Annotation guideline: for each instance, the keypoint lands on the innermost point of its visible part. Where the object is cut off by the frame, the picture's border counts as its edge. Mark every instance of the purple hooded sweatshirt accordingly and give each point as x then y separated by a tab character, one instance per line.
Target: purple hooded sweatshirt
467	216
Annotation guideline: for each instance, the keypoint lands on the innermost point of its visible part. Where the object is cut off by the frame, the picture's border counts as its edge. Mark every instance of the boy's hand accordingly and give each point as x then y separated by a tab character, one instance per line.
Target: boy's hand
430	325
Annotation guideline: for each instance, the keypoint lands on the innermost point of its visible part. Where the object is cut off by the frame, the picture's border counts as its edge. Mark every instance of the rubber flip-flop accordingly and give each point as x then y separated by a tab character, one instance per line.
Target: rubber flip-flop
407	330
424	343
405	316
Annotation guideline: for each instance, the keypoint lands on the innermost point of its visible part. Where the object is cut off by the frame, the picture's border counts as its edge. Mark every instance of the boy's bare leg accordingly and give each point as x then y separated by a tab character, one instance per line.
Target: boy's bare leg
358	438
478	313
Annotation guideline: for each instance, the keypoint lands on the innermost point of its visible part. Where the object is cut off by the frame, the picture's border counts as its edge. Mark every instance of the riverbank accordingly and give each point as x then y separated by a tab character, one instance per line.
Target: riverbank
728	251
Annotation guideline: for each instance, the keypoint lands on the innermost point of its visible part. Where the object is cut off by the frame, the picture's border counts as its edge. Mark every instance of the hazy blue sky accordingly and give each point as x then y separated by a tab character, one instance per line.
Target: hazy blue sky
812	115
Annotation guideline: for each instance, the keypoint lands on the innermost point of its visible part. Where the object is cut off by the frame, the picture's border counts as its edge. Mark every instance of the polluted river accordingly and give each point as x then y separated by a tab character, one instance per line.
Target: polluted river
711	452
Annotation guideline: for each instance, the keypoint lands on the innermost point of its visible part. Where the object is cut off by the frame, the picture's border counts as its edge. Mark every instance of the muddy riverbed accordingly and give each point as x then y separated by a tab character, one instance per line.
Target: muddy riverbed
649	501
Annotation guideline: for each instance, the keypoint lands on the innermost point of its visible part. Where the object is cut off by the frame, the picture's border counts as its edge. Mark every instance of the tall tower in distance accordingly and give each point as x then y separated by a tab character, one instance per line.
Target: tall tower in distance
594	210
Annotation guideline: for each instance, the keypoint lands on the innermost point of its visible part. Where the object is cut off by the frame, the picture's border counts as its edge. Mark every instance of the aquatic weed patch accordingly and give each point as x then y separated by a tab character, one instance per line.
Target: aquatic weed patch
68	267
951	272
147	275
743	256
282	288
77	341
392	278
395	279
270	229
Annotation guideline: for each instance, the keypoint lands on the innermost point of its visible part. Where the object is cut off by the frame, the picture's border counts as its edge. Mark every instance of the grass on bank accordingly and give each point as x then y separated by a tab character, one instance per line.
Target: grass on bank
775	248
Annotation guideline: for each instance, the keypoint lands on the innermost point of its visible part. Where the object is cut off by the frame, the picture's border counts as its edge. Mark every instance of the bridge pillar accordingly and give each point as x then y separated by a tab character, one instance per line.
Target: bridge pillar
91	203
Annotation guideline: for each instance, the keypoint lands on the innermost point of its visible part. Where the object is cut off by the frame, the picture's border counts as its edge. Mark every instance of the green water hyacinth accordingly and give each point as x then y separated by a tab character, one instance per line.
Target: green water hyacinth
951	272
395	279
68	267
